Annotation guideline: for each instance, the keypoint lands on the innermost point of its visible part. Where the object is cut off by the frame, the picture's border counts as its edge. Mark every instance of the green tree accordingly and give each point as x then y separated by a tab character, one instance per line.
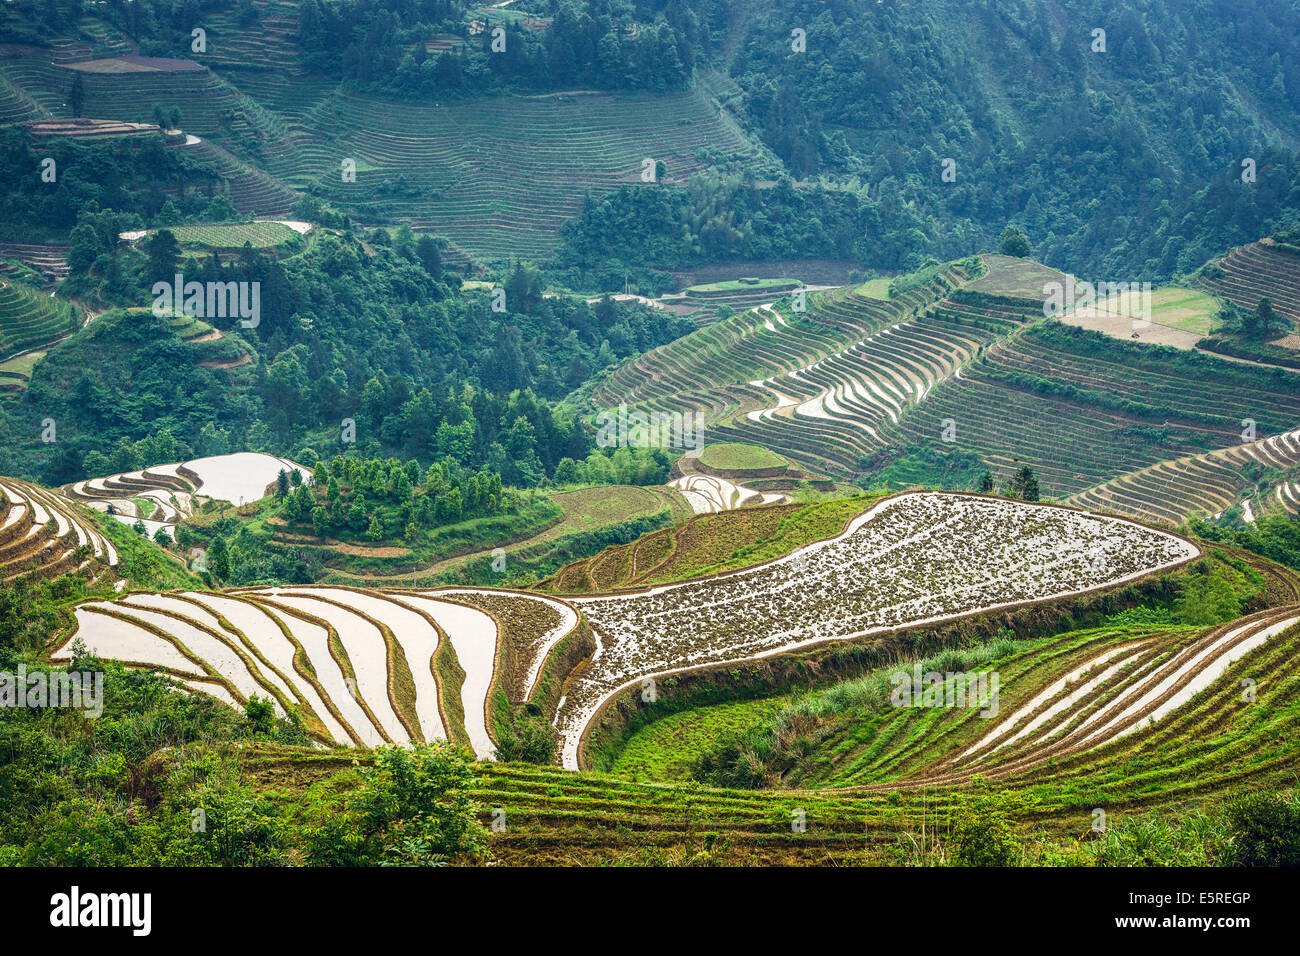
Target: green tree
1024	484
164	252
1014	242
426	250
412	808
219	559
260	712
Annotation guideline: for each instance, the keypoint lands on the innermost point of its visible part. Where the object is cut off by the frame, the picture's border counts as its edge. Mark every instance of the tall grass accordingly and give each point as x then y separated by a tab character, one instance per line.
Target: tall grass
760	756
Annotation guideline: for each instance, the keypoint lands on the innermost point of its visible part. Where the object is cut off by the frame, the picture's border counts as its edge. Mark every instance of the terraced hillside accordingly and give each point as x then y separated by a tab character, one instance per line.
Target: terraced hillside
381	671
128	87
703	302
910	559
48	260
30	318
1260	269
1081	409
499	175
43	535
1123	718
832	385
708	543
165	495
358	668
1206	484
740	369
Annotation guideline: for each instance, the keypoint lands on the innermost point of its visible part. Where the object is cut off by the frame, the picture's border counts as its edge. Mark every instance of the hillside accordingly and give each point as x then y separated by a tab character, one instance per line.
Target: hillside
274	117
716	433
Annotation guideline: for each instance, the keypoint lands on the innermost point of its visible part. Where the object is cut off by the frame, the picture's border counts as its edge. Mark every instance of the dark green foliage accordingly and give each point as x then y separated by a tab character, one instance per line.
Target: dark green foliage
1264	830
1274	536
527	738
982	835
129	787
423	370
1014	242
411	808
1074	146
585	46
717	219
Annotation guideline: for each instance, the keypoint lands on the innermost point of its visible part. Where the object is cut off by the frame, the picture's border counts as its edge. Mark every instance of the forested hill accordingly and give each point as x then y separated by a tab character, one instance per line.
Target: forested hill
1117	153
1129	141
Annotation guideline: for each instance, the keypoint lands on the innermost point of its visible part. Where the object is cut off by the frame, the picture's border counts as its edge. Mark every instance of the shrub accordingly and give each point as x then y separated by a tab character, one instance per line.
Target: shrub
528	739
982	836
1263	830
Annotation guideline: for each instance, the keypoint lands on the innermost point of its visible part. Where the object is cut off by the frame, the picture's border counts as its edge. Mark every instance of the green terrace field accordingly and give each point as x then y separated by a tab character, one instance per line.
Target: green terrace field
712	369
736	456
875	289
666	749
29	318
496	175
1257	270
706	302
1206	484
960	364
1080	408
260	235
129	88
1015	278
707	544
16	372
499	175
1127	717
829	386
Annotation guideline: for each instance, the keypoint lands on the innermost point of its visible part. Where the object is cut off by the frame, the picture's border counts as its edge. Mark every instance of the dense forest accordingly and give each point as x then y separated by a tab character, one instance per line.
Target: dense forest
375	333
1118	154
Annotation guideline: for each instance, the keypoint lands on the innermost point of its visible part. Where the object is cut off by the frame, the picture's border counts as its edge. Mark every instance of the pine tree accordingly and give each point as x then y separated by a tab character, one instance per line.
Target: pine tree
219	559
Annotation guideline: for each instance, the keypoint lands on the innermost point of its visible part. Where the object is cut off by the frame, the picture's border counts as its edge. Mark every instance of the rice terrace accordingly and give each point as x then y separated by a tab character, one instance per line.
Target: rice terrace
630	434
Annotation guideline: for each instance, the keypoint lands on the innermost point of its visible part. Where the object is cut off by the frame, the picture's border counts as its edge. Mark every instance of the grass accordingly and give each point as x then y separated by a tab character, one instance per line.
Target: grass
743	285
666	749
1178	307
707	544
875	289
1018	278
22	365
588	508
796	528
738	456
